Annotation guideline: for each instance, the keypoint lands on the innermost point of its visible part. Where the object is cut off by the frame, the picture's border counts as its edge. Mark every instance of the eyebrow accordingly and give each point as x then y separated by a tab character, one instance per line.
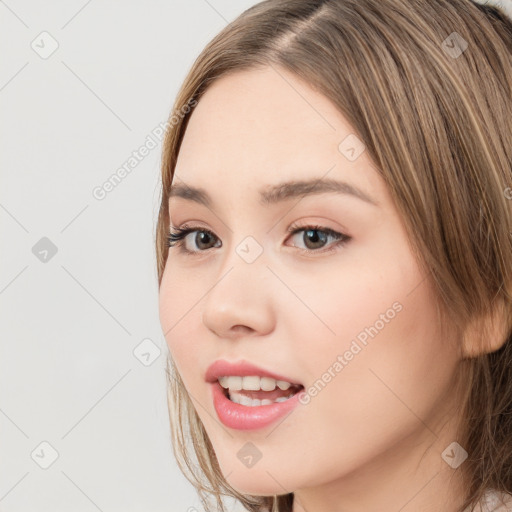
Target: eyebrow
273	194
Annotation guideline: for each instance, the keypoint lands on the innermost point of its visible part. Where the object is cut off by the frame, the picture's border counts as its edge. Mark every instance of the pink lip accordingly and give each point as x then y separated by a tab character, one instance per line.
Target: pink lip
242	417
221	368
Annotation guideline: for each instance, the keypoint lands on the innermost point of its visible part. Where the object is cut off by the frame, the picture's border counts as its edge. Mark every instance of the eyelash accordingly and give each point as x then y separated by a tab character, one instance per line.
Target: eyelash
176	238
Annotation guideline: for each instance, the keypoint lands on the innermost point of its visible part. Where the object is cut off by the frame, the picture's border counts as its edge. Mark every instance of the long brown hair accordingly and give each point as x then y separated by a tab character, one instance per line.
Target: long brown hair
427	87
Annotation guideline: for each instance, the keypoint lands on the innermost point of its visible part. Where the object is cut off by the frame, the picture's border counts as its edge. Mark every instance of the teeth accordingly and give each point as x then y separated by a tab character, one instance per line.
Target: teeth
238	398
267	384
252	383
233	383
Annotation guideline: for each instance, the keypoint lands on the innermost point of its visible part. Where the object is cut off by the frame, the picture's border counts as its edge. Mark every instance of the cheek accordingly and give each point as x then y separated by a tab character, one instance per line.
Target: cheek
357	299
385	367
387	326
178	316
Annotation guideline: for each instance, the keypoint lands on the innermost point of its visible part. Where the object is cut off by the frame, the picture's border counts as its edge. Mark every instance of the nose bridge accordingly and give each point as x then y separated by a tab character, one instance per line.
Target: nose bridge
246	244
240	294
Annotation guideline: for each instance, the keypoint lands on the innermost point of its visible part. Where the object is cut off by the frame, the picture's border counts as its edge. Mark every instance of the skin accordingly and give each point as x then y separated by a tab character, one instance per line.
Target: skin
372	438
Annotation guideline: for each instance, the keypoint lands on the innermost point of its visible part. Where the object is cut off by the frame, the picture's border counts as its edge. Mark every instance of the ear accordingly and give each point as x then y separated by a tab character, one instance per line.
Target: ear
486	334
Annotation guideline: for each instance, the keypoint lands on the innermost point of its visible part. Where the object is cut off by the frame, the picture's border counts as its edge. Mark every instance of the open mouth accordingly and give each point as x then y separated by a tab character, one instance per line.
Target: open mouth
249	409
260	397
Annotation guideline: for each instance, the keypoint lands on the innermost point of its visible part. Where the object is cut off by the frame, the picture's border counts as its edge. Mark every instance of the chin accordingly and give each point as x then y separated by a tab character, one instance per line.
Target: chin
260	484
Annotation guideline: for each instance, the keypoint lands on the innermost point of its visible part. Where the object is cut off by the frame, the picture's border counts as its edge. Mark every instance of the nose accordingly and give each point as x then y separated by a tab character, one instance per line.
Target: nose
240	301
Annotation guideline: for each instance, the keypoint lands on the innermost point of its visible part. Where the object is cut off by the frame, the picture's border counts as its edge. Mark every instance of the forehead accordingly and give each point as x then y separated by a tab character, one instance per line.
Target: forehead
263	126
264	114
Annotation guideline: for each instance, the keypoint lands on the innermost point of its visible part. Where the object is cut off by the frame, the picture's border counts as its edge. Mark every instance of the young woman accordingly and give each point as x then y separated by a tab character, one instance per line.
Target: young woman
334	250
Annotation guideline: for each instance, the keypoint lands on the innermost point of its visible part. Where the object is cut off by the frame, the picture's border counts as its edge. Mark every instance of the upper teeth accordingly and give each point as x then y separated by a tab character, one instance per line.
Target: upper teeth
252	383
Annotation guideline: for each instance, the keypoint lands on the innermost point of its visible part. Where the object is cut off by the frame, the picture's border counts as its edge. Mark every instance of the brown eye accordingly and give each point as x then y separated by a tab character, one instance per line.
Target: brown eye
315	238
179	235
203	237
312	236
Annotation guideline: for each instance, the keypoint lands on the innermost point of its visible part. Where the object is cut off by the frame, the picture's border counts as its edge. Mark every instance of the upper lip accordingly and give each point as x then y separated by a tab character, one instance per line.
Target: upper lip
221	368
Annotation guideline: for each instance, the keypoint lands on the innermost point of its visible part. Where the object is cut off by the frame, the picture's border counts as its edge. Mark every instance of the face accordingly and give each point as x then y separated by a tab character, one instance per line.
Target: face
352	317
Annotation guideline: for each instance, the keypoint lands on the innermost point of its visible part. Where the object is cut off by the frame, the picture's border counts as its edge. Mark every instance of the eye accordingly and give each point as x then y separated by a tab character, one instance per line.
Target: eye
179	235
314	236
318	235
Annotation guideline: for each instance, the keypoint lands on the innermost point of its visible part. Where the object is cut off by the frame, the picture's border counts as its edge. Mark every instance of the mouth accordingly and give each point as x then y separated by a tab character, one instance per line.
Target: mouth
247	396
245	409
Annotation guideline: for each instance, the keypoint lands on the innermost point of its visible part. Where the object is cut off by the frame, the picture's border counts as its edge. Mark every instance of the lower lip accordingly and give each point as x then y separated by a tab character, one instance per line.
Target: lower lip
242	417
